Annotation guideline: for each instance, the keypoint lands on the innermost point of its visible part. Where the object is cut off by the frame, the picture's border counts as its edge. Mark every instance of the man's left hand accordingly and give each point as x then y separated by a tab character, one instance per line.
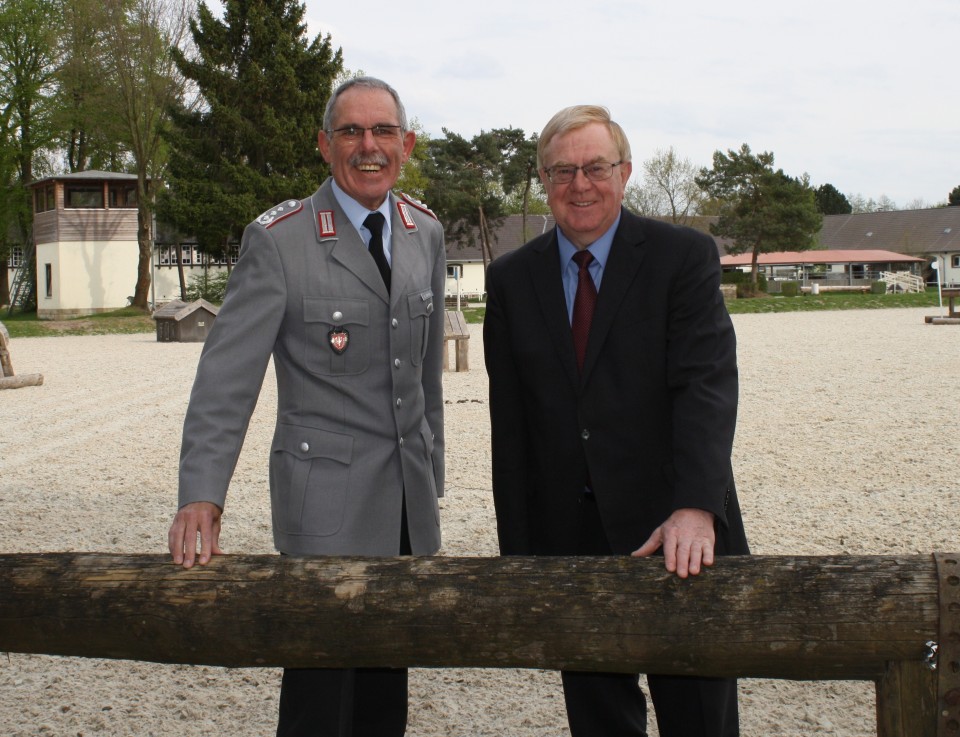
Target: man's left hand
687	539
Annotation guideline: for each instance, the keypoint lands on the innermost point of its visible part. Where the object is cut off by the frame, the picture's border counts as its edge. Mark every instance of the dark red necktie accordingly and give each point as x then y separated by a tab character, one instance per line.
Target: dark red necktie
583	304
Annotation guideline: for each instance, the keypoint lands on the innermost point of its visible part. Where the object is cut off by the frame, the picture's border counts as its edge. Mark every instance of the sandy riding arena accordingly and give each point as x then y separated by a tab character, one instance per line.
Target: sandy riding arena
846	443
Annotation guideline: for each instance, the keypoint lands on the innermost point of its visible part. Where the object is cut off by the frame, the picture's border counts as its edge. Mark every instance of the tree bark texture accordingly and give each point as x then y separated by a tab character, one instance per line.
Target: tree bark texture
804	618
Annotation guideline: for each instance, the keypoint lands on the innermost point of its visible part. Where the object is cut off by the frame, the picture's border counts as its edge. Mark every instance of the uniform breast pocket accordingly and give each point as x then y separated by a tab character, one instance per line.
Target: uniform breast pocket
420	306
338	335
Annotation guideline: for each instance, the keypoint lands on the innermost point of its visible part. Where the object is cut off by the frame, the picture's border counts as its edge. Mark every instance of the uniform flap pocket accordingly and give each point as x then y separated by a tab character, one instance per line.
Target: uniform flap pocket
310	442
336	311
421	303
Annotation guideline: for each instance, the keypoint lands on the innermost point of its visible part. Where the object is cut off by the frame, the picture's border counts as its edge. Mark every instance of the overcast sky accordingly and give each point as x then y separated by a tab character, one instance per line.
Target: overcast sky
861	95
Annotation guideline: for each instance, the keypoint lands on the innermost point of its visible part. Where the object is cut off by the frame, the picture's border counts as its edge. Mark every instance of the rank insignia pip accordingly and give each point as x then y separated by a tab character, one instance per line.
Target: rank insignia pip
339	338
275	214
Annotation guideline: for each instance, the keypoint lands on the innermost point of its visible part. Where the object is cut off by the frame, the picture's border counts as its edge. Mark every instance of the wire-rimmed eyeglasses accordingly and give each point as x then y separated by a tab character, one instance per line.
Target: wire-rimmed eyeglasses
381	132
595	172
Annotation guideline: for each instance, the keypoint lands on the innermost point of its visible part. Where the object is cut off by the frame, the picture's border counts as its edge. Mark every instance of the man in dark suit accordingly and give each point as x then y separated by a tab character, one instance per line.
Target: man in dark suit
339	288
613	397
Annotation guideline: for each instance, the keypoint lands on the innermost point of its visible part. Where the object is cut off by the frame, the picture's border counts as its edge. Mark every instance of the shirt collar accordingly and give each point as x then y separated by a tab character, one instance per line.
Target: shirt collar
600	248
357	213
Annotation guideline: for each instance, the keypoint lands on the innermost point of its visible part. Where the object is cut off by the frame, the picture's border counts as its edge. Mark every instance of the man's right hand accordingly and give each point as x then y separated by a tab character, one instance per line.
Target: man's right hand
191	519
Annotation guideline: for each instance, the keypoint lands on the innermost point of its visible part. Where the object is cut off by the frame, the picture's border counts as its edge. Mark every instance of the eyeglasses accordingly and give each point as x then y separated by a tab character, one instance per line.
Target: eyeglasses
354	133
596	172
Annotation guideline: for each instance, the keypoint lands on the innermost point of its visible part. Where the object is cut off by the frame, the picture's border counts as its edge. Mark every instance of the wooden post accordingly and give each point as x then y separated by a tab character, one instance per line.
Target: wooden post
8	380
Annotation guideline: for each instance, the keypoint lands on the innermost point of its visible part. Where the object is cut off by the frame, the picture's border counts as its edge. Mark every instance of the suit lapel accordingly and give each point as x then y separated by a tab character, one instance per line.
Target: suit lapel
346	245
548	287
619	275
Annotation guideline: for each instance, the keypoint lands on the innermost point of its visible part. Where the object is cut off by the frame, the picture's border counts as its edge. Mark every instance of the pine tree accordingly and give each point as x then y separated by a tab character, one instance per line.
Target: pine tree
250	142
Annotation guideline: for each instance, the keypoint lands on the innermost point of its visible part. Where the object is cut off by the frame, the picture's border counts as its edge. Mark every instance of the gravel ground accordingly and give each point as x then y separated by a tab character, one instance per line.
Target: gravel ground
846	444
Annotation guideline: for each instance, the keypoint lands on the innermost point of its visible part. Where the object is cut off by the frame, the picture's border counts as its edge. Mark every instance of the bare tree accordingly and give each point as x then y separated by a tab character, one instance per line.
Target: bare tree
668	188
140	34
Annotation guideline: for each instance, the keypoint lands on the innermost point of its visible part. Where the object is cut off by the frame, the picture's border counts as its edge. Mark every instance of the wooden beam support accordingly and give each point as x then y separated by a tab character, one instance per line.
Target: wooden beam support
804	618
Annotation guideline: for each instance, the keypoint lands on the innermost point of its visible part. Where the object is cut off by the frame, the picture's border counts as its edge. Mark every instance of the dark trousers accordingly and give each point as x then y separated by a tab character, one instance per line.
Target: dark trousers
613	705
345	702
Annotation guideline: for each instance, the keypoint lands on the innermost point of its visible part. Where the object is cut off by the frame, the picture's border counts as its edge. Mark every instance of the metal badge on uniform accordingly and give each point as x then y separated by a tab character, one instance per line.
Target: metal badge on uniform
405	216
327	225
339	338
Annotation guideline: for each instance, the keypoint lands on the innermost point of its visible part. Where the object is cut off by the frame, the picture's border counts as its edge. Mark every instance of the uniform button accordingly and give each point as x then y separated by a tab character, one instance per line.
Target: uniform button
399	401
394	323
585	434
337	316
304	447
430	308
396	362
401	442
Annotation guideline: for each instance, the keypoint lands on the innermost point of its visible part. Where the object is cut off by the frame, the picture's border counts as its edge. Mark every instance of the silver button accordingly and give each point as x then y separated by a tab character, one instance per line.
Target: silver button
401	442
396	362
304	447
430	308
337	316
585	434
399	401
394	323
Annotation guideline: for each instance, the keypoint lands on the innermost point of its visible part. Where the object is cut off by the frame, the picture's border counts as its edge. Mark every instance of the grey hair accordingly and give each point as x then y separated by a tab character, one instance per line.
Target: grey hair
370	83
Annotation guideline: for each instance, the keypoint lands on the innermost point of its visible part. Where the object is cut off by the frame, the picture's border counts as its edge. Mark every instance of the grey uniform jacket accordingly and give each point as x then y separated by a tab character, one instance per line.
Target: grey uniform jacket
358	431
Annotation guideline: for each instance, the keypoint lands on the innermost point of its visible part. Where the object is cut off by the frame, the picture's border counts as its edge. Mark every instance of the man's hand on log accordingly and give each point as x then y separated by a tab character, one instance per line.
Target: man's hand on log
687	539
198	518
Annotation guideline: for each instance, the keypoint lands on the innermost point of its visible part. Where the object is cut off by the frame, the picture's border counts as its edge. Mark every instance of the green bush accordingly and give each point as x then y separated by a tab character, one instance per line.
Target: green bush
743	282
789	288
878	287
211	287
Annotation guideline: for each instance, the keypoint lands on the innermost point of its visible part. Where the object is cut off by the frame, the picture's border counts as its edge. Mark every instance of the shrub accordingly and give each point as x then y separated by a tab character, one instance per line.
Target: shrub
878	287
744	284
211	287
789	288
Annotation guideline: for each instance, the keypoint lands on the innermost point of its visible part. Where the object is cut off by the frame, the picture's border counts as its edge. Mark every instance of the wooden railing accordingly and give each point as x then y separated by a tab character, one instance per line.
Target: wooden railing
874	618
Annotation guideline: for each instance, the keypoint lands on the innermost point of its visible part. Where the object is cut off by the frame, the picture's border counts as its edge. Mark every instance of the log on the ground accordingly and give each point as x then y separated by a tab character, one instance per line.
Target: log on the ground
20	380
805	618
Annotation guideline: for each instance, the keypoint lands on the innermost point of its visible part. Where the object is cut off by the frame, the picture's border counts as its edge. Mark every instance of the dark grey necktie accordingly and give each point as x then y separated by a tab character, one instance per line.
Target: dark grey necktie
374	223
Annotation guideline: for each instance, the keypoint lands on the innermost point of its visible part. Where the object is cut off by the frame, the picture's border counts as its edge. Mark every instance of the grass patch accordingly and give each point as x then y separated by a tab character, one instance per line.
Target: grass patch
127	320
832	301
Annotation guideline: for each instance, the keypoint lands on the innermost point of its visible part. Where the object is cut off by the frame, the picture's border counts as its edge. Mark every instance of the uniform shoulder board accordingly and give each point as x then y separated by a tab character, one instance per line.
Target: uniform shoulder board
417	204
278	212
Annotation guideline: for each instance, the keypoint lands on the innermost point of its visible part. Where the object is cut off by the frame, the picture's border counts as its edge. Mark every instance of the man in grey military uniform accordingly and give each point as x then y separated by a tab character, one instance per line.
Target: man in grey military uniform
357	465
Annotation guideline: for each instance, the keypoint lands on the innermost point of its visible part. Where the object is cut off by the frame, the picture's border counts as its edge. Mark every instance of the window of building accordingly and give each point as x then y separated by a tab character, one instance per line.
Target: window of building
234	254
44	198
186	255
15	261
123	195
955	261
48	273
82	196
454	271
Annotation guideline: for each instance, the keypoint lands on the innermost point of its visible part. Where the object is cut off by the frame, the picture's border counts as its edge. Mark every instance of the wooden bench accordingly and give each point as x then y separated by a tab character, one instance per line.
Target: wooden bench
8	380
455	329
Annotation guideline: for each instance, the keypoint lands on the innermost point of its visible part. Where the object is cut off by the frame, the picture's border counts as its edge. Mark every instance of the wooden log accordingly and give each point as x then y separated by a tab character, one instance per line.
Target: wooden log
805	618
21	380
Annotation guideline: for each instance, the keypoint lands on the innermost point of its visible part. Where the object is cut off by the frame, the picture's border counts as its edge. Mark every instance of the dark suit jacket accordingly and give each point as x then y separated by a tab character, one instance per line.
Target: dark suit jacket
653	415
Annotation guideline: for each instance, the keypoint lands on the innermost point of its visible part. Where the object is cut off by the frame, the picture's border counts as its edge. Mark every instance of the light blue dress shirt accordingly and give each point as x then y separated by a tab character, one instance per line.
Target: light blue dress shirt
357	213
569	270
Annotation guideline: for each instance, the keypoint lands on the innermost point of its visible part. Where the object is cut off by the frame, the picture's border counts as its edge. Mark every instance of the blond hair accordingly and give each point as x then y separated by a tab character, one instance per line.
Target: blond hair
578	116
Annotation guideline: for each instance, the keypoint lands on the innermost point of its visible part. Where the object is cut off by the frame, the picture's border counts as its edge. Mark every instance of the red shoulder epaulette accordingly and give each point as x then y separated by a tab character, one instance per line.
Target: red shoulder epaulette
275	214
417	204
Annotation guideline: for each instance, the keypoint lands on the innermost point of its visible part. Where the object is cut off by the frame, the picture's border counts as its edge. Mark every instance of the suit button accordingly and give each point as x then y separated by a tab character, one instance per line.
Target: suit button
304	447
585	434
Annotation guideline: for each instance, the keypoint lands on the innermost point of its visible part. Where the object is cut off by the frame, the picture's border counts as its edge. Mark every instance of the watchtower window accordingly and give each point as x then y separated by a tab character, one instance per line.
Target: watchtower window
81	196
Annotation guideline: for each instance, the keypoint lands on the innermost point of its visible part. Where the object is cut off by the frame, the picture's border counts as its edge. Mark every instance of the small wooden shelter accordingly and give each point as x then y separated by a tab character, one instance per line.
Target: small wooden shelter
180	322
